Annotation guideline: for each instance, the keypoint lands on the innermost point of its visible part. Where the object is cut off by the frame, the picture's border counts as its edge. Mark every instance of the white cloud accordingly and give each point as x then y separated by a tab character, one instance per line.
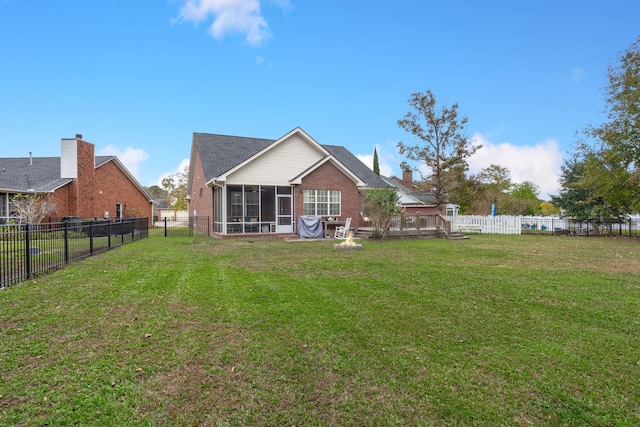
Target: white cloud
539	163
576	75
231	16
184	164
130	157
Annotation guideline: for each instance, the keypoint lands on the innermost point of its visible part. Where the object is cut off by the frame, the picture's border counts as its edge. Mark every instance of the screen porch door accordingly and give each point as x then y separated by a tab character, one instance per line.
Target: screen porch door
284	215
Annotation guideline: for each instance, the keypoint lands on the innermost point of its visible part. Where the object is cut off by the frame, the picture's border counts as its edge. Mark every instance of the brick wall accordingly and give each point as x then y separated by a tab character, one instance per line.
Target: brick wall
328	177
86	181
96	191
113	186
201	195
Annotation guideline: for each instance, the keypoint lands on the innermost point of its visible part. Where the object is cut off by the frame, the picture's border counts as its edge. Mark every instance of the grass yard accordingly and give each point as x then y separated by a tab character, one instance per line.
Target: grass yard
496	330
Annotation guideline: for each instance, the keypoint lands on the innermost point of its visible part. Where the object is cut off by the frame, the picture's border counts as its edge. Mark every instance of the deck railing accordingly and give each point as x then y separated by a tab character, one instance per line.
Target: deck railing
417	222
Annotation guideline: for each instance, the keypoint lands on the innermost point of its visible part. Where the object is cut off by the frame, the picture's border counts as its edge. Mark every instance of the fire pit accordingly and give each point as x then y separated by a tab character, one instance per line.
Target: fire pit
348	244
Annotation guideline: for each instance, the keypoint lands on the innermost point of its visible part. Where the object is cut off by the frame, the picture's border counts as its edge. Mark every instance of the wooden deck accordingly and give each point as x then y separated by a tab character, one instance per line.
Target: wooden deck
427	233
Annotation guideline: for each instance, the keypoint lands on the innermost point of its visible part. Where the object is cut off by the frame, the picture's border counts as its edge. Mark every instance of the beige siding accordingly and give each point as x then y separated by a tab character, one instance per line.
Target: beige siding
280	164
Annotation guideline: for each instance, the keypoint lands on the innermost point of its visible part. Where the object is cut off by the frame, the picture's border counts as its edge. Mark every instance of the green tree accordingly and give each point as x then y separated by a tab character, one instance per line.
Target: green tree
496	177
381	204
376	166
523	199
461	189
496	184
612	164
156	192
575	197
175	186
442	146
548	208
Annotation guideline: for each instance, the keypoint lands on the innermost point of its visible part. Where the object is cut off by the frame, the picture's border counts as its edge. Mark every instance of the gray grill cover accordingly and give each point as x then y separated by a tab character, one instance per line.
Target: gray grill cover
309	226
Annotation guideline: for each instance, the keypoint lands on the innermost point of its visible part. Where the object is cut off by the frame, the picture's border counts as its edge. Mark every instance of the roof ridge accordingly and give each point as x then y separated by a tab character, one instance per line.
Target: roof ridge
233	136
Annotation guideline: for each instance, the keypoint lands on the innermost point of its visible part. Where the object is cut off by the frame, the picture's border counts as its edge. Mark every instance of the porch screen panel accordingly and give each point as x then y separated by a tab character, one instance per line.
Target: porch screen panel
234	203
218	212
252	202
268	203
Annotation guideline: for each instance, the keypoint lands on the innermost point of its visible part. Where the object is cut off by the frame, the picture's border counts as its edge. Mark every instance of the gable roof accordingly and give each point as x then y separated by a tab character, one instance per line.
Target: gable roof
420	197
355	165
23	174
221	154
42	174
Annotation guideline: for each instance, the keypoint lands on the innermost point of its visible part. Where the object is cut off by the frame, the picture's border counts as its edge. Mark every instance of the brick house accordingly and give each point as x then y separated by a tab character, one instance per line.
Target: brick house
80	183
412	200
261	186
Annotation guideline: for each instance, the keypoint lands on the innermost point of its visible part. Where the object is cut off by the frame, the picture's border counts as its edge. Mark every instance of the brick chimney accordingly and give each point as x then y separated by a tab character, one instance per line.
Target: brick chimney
78	163
407	178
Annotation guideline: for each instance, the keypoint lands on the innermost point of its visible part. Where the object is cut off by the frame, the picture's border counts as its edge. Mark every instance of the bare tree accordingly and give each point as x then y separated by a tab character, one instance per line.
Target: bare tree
32	208
443	146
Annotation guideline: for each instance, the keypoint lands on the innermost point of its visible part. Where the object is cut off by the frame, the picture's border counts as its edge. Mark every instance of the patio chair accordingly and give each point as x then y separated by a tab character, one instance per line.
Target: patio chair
343	231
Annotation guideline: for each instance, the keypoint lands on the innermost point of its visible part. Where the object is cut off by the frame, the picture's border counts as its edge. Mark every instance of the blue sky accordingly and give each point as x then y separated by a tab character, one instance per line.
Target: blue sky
138	77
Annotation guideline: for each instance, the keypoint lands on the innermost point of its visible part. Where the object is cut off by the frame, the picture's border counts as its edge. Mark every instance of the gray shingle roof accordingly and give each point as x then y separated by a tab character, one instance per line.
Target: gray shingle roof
356	166
41	174
220	153
425	197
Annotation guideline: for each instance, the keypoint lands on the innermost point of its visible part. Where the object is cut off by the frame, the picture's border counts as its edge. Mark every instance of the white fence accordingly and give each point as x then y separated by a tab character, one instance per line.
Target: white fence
488	224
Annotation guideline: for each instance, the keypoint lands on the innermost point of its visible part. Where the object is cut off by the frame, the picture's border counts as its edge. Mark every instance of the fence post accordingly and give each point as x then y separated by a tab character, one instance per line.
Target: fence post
66	242
109	234
165	226
133	229
91	237
27	248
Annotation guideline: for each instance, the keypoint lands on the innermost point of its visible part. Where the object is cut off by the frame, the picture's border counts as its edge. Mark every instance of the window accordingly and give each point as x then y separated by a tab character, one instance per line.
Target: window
118	210
322	202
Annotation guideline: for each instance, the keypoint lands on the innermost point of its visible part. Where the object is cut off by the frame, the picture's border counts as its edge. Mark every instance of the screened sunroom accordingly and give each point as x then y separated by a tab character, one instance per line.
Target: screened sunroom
249	209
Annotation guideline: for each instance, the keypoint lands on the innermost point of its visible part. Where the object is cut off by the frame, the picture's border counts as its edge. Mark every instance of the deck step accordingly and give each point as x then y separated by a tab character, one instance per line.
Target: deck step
457	236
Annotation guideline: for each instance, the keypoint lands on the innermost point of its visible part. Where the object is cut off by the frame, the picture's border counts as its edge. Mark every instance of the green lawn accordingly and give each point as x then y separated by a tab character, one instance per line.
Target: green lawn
496	330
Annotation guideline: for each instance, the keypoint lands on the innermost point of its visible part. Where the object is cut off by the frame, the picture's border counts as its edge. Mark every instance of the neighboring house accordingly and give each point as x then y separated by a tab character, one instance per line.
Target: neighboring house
81	184
411	199
162	211
252	185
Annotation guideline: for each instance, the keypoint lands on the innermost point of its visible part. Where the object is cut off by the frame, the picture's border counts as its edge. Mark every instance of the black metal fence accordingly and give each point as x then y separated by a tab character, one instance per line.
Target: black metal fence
610	227
192	226
27	250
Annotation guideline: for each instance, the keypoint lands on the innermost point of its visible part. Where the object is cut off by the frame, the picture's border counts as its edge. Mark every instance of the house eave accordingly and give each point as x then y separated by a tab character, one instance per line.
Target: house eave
329	158
215	182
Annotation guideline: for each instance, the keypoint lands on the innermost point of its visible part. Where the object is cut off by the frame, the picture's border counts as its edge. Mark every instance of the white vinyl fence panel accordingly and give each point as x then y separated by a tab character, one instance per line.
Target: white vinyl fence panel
490	224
